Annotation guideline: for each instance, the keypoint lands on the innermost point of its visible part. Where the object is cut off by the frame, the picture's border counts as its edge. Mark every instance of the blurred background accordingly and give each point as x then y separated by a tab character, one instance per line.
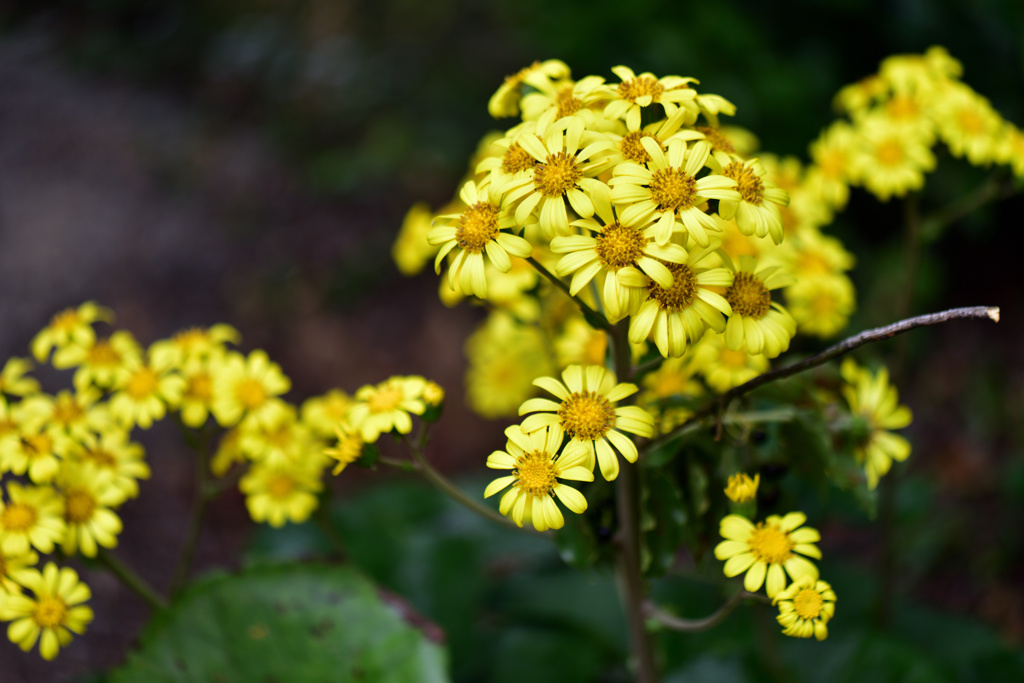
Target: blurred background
187	163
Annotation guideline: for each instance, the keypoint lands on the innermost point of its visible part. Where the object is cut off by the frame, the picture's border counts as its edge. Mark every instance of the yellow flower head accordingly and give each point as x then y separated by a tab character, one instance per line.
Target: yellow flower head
349	448
70	327
13	380
758	324
32	516
387	406
872	398
194	344
52	614
757	210
806	607
504	356
586	411
144	393
505	102
742	488
276	493
821	305
772	548
629	98
11	567
99	364
323	413
124	459
537	466
90	495
411	251
722	367
246	387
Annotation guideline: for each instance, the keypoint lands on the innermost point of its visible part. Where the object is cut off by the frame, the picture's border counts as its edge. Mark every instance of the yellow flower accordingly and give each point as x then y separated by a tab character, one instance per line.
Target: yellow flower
193	344
578	343
411	251
554	100
635	93
197	398
13	380
821	305
505	102
477	232
89	496
54	612
681	313
144	393
12	566
757	210
767	549
323	413
113	452
536	468
280	440
504	356
871	397
586	411
386	406
246	387
722	367
890	161
99	363
758	324
967	123
349	447
32	516
276	493
806	607
742	488
666	188
623	255
70	327
38	453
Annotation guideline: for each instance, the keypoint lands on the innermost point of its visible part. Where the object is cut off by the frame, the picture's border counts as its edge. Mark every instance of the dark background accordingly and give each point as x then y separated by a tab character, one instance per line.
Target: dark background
187	163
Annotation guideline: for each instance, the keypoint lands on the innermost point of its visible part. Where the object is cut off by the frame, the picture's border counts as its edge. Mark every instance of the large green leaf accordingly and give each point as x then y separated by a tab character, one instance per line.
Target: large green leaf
287	623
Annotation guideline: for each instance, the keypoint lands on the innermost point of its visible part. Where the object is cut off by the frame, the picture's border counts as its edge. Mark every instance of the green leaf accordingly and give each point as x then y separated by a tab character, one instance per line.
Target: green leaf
287	623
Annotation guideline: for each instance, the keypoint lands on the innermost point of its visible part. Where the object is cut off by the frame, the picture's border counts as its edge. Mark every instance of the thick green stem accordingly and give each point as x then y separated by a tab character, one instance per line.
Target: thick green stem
131	579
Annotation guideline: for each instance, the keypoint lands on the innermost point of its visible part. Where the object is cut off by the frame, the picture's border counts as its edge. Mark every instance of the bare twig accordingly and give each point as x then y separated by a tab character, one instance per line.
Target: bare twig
694	625
718	404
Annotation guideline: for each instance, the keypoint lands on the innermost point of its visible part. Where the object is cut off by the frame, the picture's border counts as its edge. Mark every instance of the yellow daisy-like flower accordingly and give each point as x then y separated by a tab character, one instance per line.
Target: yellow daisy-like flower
32	516
144	393
410	250
348	449
52	614
89	498
586	411
246	387
505	102
967	123
757	210
741	488
323	413
12	566
805	608
536	468
832	154
722	367
70	327
280	440
197	398
100	363
821	305
74	414
504	356
758	324
124	459
13	380
622	254
552	101
282	493
579	343
890	161
872	398
387	406
194	344
768	549
635	93
681	313
563	173
667	189
37	452
478	232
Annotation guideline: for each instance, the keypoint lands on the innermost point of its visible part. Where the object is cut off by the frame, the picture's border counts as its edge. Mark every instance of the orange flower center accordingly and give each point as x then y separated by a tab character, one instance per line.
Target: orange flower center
79	506
516	159
748	296
536	473
680	294
50	612
143	383
808	603
478	225
619	246
749	186
557	175
673	189
586	415
636	88
18	517
250	393
770	544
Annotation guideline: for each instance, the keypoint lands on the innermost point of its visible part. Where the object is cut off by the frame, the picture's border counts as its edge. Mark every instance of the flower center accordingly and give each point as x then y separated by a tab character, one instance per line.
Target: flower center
18	517
567	103
889	152
66	320
633	150
619	246
770	544
902	107
200	387
102	353
970	122
833	164
66	411
280	487
673	189
636	88
250	393
143	383
733	359
101	458
385	400
516	159
749	186
79	506
748	296
718	142
38	444
557	175
478	225
808	603
680	294
536	473
50	612
586	415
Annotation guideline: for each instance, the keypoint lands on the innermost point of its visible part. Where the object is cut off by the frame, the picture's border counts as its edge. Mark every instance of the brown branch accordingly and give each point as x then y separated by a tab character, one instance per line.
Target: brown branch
718	405
675	623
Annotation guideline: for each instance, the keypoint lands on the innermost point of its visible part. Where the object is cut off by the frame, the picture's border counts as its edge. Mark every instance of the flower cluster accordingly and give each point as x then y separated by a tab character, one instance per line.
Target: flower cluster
68	461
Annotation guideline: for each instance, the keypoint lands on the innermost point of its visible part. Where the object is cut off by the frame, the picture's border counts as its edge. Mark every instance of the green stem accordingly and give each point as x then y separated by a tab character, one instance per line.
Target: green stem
202	495
592	317
131	579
